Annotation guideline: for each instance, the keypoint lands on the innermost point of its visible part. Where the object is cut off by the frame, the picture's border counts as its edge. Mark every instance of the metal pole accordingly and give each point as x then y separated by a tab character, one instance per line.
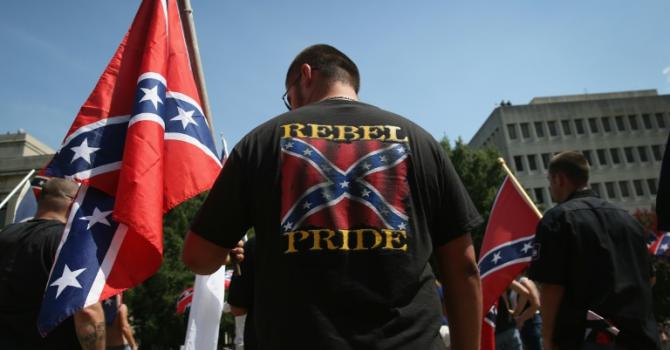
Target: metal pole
518	186
25	178
194	56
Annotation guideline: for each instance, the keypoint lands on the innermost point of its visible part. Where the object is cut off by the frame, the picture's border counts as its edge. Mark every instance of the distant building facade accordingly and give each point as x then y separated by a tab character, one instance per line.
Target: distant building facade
19	153
622	135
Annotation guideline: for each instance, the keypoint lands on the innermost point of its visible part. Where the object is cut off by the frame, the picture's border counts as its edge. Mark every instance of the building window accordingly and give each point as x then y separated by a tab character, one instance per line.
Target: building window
602	157
660	121
518	163
539	129
565	124
642	152
646	120
656	151
652	186
545	160
525	130
628	152
595	187
609	187
552	128
532	162
614	152
587	155
619	123
593	125
632	120
579	126
639	191
623	186
511	131
606	124
539	195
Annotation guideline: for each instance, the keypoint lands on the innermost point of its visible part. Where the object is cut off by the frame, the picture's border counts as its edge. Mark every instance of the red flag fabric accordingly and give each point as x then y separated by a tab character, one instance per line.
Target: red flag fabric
140	145
488	340
184	301
507	246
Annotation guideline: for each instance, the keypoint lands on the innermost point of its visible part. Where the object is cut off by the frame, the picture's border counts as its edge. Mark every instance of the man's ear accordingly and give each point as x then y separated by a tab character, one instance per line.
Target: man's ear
306	72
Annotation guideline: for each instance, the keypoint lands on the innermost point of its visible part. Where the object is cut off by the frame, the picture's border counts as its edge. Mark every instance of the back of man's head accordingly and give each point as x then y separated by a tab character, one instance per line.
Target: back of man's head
571	164
56	196
330	62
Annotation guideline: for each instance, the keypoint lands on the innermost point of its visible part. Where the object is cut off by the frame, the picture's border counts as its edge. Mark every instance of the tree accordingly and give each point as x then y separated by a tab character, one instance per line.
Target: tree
481	174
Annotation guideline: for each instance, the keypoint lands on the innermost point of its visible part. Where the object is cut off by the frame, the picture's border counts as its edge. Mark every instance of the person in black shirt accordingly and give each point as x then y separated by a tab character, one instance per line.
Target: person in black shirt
27	251
663	193
348	203
590	255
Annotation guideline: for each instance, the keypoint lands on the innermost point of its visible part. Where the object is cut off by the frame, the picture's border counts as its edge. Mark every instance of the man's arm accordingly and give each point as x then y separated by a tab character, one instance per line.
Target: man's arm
551	296
462	291
89	325
528	301
126	330
204	257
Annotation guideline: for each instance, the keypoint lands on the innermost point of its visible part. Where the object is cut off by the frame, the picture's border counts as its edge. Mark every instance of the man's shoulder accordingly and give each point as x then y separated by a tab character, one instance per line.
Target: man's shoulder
36	228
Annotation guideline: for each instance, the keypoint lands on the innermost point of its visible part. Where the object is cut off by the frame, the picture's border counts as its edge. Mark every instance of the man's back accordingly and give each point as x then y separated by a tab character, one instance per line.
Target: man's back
27	251
597	252
347	202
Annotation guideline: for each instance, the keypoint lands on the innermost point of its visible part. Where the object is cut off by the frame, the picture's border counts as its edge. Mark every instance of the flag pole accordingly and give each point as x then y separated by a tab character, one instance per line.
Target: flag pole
25	178
194	56
517	184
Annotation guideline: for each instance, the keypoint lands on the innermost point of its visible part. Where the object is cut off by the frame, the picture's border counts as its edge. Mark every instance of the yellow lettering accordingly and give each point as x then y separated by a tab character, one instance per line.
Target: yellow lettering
394	236
291	240
319	131
359	240
345	239
329	243
371	132
393	134
293	130
344	130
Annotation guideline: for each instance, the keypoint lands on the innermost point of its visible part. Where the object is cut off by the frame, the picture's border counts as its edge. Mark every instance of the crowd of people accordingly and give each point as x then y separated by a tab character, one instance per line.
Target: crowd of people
349	204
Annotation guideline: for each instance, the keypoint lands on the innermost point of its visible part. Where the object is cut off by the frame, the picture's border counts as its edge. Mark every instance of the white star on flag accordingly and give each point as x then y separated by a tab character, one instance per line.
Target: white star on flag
365	193
526	247
664	247
288	145
185	117
83	151
401	226
288	226
382	159
151	95
344	184
307	152
307	205
68	279
97	217
496	257
367	166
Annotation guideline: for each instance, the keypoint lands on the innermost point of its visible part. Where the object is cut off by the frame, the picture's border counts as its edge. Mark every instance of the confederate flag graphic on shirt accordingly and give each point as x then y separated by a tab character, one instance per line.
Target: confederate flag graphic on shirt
344	195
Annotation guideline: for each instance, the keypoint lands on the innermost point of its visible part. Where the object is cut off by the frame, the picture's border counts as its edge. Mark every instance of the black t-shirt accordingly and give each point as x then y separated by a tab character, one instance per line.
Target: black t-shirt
596	250
241	292
27	251
347	202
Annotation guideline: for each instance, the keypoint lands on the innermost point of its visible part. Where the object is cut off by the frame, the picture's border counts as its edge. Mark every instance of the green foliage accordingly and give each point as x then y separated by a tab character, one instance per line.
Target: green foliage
481	174
152	304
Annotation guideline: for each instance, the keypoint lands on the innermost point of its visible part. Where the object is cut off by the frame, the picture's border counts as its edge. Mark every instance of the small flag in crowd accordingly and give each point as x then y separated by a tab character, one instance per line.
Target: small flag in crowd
184	301
507	246
661	245
140	145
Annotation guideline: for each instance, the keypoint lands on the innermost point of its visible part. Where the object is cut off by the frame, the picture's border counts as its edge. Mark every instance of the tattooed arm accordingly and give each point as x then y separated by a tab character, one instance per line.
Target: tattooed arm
89	324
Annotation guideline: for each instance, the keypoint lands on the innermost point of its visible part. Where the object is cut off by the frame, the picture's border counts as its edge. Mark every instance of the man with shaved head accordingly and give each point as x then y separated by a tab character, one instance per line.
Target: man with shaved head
27	252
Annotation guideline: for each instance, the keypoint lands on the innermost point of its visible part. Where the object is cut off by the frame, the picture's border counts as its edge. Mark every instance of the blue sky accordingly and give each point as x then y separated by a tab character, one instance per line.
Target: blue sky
443	64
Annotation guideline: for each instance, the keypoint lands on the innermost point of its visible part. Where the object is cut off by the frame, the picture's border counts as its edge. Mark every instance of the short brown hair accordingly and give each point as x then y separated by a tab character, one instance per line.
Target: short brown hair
573	165
331	62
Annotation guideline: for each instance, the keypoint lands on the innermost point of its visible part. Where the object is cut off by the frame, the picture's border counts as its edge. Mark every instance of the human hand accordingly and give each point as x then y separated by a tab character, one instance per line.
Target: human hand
236	255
